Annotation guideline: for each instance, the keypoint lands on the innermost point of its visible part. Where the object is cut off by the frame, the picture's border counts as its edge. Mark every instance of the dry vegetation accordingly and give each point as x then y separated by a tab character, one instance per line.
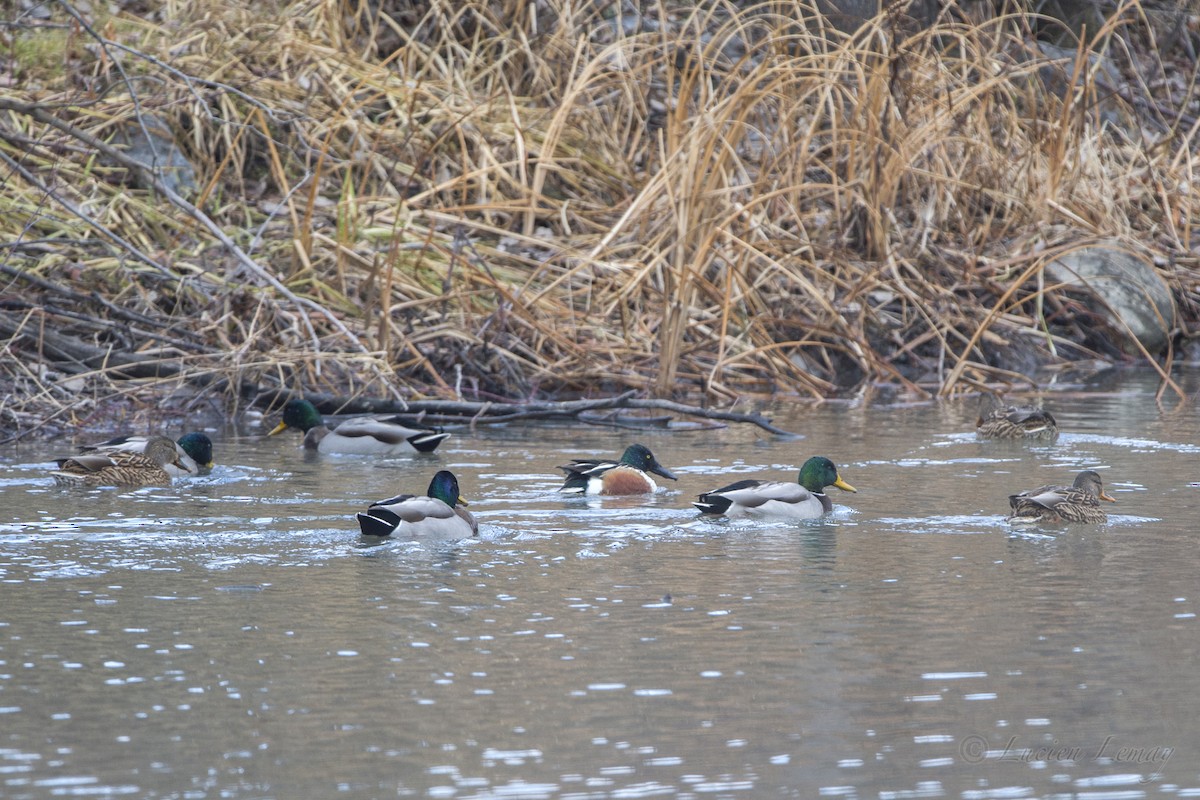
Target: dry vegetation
497	198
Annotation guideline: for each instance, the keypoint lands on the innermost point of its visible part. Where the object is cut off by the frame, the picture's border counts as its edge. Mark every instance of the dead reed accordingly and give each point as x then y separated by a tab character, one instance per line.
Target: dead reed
482	199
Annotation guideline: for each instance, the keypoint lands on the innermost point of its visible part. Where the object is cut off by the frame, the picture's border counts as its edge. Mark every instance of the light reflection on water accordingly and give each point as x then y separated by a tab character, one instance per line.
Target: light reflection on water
231	636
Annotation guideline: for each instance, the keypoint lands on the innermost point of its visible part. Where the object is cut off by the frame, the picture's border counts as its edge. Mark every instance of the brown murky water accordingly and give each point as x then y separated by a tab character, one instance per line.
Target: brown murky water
229	637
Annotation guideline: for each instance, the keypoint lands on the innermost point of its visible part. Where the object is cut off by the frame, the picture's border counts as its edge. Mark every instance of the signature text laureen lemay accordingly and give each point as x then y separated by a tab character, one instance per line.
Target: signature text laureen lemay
975	750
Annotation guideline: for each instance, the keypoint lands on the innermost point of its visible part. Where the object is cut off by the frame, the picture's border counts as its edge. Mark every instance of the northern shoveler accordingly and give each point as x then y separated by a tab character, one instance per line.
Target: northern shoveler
627	476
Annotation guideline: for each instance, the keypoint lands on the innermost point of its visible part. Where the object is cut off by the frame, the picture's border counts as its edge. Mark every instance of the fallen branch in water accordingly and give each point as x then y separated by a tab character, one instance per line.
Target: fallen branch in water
707	413
75	355
470	414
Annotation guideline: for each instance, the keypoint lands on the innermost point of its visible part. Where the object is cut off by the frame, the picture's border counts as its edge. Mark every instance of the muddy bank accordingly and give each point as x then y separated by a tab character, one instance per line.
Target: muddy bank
507	205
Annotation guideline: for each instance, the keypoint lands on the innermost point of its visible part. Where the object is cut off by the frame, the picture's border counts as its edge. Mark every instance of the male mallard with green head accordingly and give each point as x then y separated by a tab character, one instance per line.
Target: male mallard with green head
805	499
437	515
121	467
367	436
1000	421
195	451
629	475
1079	502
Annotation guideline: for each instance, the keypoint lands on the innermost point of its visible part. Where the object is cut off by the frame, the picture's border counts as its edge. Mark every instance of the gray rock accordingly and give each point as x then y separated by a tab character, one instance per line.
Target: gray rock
152	144
1057	73
1123	288
848	15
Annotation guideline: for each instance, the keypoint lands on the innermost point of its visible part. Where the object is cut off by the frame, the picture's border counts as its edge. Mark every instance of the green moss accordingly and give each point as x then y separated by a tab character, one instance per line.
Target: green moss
41	54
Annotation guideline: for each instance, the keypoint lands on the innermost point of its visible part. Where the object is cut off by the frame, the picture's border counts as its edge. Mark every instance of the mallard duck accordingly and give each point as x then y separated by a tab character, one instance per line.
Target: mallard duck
121	467
1000	421
1079	502
367	436
805	499
437	515
195	451
627	476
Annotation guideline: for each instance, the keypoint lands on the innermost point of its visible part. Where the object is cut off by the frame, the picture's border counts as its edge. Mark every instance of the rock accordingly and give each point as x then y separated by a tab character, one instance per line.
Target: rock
153	145
849	15
1122	288
1057	73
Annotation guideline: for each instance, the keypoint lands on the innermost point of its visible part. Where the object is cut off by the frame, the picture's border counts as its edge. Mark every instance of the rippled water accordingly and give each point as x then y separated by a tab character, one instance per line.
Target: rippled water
230	636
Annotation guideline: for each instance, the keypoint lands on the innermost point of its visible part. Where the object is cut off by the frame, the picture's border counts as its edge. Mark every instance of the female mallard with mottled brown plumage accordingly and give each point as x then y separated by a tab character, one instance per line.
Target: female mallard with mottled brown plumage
1079	502
1000	421
120	467
195	451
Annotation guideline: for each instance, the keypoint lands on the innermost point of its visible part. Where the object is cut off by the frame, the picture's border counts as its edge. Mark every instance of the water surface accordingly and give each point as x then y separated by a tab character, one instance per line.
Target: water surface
231	637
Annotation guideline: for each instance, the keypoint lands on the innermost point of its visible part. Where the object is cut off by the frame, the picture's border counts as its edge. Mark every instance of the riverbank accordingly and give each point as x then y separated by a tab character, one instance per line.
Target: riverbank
215	206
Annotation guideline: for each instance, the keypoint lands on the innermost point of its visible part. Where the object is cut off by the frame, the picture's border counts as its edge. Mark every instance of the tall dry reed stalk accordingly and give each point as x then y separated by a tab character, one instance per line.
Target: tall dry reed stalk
509	198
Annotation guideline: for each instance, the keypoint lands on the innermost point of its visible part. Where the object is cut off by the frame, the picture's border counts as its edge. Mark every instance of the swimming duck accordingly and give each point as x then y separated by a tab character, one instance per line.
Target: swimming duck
805	499
1079	502
358	435
195	451
120	467
1000	421
627	476
438	515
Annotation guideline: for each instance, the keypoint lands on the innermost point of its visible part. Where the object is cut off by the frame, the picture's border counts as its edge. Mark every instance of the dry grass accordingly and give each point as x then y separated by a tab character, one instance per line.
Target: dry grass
468	199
